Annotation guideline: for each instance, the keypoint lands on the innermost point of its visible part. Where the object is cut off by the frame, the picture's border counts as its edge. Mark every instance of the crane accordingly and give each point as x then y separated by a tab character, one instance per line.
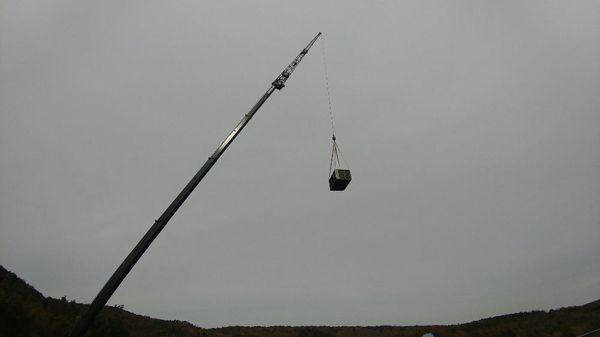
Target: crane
84	321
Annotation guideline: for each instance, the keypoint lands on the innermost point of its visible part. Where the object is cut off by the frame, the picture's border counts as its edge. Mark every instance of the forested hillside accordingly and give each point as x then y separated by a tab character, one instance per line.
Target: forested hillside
26	312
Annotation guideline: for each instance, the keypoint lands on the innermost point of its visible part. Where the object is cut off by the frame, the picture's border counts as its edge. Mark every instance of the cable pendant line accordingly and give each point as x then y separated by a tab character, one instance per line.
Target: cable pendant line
327	87
337	158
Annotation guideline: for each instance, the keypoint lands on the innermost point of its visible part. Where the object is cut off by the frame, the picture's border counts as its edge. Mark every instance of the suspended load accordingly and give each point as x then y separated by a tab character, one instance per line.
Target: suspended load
339	177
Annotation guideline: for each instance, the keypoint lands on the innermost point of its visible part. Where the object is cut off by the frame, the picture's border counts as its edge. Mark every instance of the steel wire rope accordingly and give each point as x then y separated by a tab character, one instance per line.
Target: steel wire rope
336	153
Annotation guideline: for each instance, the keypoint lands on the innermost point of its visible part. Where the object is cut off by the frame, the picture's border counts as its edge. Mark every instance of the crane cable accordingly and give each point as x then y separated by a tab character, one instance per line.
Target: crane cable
327	86
336	153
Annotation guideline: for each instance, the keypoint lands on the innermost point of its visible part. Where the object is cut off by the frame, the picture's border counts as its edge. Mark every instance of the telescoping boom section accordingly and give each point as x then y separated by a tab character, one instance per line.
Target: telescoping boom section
84	321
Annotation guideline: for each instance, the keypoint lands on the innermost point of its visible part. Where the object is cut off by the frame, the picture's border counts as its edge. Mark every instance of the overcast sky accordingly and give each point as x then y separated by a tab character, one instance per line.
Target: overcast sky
472	129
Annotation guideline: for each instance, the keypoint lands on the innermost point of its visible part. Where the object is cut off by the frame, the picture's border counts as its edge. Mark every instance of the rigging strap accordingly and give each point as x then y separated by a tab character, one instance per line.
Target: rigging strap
337	159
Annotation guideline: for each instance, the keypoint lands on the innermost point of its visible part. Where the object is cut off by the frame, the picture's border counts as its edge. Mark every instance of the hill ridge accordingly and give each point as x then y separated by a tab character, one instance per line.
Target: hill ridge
24	311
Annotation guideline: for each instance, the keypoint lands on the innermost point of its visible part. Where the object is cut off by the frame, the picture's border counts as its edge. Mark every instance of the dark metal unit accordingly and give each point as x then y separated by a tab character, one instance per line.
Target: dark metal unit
340	178
115	280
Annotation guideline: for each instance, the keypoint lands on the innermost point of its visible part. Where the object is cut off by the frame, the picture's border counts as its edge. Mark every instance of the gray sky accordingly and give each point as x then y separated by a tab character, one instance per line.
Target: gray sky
472	129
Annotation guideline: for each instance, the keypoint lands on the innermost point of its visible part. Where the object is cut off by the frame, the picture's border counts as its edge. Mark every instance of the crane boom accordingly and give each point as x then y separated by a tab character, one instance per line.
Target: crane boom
119	275
279	82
